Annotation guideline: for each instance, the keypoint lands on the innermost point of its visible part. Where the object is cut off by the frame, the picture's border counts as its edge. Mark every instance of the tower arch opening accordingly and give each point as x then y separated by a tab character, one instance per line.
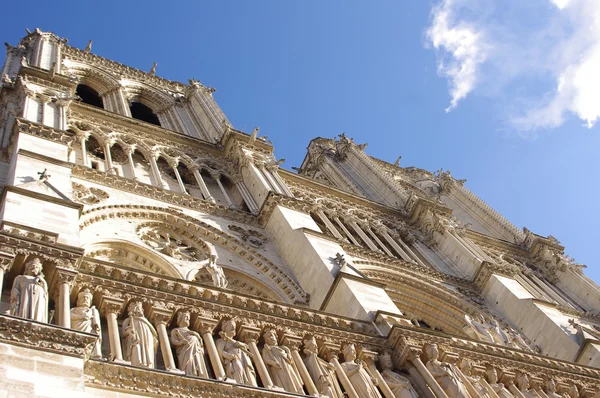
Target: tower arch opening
89	96
144	113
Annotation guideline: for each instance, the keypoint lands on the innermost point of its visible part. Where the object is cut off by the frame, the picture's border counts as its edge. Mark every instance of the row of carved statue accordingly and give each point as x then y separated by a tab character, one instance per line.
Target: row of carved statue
279	366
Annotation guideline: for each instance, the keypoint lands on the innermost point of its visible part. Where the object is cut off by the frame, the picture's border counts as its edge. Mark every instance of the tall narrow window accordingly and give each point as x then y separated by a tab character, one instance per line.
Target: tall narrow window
89	96
142	112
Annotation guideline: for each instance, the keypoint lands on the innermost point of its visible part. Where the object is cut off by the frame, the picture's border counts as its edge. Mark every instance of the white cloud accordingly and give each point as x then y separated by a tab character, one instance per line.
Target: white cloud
534	43
460	50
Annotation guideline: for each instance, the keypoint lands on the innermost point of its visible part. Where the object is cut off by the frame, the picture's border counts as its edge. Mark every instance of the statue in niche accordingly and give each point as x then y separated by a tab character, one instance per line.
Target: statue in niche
573	391
445	374
499	388
86	318
235	356
281	365
140	337
399	385
359	374
321	371
523	385
551	389
29	294
189	348
467	367
216	272
477	330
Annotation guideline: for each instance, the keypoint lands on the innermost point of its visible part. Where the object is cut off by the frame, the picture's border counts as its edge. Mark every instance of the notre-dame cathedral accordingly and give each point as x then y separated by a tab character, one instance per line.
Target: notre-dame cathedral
149	248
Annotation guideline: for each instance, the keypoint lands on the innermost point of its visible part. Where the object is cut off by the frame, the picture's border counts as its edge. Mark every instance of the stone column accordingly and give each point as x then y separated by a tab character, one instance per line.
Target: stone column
394	245
161	317
154	166
111	307
364	236
130	151
293	343
379	242
329	224
108	157
65	279
84	158
341	373
348	234
280	181
178	176
206	327
370	358
420	381
429	379
6	262
217	178
250	337
248	199
271	180
202	185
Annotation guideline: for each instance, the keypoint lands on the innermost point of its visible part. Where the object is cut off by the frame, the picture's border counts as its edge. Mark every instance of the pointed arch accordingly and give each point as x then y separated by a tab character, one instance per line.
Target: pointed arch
197	230
131	255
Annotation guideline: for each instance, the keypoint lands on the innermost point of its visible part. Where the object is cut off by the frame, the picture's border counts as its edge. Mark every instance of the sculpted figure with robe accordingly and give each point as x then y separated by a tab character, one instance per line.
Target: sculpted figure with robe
235	356
363	382
29	294
280	363
140	337
467	368
399	385
445	374
523	385
321	371
189	347
477	330
499	388
86	318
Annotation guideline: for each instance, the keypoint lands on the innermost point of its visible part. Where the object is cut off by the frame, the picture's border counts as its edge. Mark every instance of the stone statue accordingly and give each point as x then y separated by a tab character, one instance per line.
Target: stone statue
86	318
445	374
361	378
523	385
140	338
497	333
29	294
477	330
573	391
399	385
321	371
467	367
551	389
216	272
499	388
235	356
189	348
280	363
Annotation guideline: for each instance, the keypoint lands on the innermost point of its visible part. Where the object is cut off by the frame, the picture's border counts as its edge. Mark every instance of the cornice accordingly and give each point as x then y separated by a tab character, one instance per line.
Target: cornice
45	337
121	70
127	283
130	379
403	337
40	196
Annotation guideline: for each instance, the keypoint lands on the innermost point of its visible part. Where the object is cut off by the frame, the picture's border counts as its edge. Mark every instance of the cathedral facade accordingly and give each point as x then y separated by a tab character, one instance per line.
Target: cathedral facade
148	248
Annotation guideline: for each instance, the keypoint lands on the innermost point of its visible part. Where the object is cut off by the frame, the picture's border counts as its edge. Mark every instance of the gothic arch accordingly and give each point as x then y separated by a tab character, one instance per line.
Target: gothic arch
91	76
436	304
145	94
131	255
199	230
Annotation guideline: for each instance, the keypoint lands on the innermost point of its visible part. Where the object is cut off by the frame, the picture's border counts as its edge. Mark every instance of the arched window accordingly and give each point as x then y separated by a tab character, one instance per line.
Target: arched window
142	112
89	96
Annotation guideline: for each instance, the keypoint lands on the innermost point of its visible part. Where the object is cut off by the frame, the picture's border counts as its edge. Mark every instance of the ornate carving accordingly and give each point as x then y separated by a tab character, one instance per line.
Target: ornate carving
29	294
250	236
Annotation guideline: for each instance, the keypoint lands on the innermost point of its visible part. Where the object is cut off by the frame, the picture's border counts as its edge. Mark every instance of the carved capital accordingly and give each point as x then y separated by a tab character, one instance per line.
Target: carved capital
6	261
292	341
66	275
159	315
111	305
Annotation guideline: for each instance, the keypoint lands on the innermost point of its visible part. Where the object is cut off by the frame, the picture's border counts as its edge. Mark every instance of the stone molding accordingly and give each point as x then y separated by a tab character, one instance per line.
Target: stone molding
45	337
161	383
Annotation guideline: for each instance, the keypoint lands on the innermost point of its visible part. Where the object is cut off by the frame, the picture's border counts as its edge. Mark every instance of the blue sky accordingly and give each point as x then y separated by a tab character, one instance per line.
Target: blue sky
505	95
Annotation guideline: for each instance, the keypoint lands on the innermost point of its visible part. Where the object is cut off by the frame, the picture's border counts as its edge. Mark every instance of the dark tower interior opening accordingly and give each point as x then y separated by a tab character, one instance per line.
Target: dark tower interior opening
89	96
142	112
